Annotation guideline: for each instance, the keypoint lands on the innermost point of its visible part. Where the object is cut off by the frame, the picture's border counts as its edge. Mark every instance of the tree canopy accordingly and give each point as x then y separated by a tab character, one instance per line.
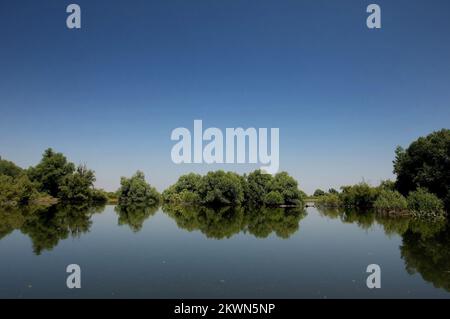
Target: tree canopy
425	163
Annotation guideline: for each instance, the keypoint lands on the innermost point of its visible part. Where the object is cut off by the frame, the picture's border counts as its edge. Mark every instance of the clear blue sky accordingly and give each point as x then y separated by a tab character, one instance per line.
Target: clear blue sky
110	94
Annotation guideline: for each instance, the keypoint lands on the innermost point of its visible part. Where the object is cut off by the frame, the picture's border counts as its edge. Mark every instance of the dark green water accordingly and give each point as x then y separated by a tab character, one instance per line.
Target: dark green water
201	253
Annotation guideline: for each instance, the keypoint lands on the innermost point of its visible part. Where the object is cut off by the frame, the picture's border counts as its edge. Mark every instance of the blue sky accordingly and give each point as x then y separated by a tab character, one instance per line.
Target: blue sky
110	94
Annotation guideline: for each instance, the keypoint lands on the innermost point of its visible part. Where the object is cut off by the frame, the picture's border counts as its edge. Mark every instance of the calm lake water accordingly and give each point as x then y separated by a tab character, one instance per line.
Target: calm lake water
200	253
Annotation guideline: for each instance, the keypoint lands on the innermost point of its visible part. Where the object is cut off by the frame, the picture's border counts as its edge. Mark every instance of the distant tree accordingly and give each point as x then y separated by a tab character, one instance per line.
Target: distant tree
333	191
51	171
425	163
136	191
318	193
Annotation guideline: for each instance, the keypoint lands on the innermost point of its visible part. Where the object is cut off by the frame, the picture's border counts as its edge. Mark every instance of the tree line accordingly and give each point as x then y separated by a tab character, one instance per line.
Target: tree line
422	187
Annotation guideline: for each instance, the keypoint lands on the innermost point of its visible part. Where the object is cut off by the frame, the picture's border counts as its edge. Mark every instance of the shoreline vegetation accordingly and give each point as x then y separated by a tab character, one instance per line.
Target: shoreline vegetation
422	187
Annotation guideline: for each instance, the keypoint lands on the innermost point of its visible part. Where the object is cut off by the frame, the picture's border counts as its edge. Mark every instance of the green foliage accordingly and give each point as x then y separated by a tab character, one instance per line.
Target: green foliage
425	163
387	185
136	191
229	189
99	196
185	190
287	186
329	200
390	201
221	188
51	172
17	191
77	187
318	193
273	198
361	195
9	168
425	204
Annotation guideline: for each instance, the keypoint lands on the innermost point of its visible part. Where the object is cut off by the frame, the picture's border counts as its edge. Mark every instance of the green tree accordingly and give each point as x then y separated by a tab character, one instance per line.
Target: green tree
287	186
257	187
220	188
17	191
425	163
79	186
9	168
51	172
136	191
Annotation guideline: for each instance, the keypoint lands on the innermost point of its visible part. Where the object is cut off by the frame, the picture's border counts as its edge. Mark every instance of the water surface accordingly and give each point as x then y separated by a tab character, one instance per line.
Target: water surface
175	252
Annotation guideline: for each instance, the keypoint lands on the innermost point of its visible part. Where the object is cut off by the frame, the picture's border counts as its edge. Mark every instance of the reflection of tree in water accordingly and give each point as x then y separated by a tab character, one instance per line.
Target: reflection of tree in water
428	256
134	215
282	221
47	226
425	243
225	222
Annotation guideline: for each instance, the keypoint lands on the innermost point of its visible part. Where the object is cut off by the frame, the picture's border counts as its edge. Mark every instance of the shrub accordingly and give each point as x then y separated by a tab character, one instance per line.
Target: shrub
136	190
389	200
424	204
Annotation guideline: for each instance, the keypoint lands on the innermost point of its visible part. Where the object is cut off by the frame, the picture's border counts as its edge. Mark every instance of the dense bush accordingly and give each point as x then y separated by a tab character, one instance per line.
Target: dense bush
390	201
425	204
136	191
